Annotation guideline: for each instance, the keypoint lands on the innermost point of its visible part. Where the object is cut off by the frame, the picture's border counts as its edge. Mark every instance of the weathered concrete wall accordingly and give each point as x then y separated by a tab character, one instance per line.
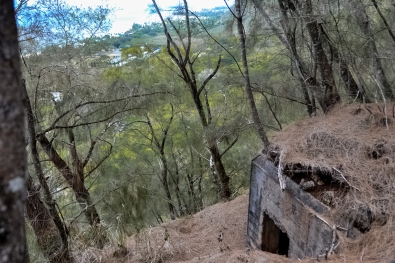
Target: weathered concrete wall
293	210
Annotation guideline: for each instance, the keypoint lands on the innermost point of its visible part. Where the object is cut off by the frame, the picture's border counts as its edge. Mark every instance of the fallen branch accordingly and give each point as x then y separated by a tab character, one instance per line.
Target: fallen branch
323	220
341	228
363	251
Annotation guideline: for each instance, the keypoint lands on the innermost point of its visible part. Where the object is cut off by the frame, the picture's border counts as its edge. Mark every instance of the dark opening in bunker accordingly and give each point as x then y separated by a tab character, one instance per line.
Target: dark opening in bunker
273	239
321	183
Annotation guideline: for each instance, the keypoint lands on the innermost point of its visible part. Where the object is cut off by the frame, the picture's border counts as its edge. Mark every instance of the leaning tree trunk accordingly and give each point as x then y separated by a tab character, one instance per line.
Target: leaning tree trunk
387	26
217	164
49	228
75	176
224	178
13	162
250	96
52	244
76	183
363	22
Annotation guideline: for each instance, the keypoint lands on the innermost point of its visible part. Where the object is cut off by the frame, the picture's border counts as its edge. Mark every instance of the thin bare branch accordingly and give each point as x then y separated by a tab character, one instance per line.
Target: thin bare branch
230	146
215	40
210	76
101	161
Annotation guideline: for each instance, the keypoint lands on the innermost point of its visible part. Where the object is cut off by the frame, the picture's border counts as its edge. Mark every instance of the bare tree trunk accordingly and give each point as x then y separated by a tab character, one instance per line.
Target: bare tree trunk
191	193
387	26
330	96
250	95
351	86
75	176
52	243
164	169
51	233
200	192
13	162
288	39
327	95
172	209
76	183
363	22
220	169
182	206
187	73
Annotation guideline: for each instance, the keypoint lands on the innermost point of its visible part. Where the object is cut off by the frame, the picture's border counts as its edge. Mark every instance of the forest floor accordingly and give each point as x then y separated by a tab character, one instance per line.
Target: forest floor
216	234
197	239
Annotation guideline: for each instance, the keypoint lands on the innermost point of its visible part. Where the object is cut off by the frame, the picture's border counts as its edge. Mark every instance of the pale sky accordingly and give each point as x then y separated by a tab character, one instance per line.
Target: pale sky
135	11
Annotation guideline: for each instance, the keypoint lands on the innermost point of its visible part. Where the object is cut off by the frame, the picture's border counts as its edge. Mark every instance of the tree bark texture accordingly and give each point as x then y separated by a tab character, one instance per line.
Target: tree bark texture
76	182
13	162
219	168
49	240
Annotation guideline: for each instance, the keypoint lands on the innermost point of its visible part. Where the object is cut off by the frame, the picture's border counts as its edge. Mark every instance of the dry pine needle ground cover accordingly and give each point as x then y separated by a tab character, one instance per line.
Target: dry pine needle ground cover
356	145
216	234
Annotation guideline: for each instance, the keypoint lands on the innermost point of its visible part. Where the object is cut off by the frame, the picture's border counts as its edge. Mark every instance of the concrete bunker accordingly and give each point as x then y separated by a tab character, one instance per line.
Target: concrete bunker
292	221
288	222
324	180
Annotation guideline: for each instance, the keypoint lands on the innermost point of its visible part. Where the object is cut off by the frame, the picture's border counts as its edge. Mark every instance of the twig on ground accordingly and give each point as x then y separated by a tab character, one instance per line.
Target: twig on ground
361	258
333	239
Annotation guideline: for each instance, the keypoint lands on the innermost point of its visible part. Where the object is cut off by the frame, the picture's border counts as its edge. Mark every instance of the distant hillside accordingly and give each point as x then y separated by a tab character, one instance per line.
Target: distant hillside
152	33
